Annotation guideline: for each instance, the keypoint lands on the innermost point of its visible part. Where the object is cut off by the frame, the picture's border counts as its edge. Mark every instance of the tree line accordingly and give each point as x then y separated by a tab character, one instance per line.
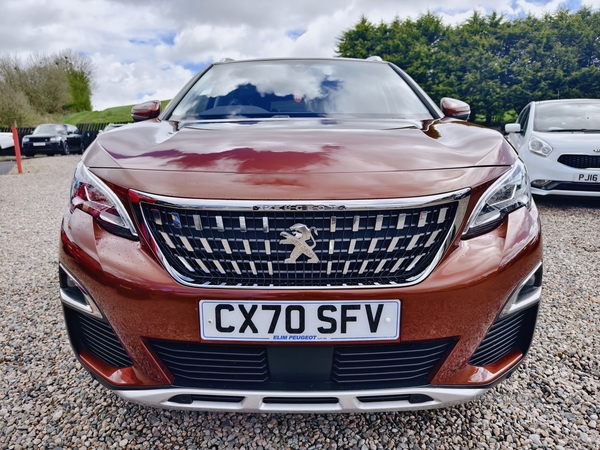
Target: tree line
495	64
42	88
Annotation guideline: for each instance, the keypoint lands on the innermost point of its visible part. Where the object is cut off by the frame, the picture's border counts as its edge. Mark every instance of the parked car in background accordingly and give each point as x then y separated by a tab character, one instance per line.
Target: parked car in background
52	138
6	143
75	140
559	141
111	126
310	235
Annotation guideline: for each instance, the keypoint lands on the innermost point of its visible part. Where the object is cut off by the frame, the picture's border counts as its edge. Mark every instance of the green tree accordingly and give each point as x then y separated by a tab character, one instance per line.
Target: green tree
495	64
43	88
80	72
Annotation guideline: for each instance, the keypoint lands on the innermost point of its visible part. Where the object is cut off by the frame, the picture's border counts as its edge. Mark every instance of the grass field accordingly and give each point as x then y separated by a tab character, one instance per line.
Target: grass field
118	114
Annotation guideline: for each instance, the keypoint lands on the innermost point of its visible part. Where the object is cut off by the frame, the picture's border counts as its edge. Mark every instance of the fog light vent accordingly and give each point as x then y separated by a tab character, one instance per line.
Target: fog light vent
540	183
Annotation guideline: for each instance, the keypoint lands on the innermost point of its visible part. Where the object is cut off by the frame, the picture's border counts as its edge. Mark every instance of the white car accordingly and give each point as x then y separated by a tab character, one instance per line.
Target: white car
559	141
6	140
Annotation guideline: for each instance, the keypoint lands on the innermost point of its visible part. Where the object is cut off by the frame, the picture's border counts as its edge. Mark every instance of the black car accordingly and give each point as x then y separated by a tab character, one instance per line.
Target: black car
52	138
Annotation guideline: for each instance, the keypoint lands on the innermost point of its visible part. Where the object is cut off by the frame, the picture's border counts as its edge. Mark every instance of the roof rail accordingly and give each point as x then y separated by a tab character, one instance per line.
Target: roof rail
226	60
374	58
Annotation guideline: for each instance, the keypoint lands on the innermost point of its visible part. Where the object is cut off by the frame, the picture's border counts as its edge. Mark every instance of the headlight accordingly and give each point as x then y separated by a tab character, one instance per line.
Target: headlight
539	147
54	139
92	196
25	139
510	192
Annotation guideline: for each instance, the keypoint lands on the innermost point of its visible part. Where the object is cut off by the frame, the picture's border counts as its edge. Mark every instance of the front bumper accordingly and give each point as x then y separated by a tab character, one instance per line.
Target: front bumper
404	399
460	301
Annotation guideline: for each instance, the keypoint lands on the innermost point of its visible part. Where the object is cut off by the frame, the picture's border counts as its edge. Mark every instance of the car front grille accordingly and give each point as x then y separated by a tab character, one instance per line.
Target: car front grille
505	335
346	367
338	246
580	161
96	336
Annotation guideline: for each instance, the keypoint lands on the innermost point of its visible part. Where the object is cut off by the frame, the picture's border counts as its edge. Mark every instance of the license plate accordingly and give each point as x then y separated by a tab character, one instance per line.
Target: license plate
587	177
299	321
39	144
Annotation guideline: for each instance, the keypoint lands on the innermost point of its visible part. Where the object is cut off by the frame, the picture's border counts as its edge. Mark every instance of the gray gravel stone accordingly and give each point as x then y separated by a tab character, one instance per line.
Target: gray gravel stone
47	400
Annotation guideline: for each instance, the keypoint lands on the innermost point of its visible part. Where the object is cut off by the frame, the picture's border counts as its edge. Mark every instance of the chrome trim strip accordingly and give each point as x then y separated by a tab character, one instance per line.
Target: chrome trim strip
202	265
220	226
226	246
206	245
432	238
291	205
219	266
197	222
186	243
91	308
247	248
156	216
401	221
372	245
397	265
512	305
393	244
167	239
351	246
186	264
462	196
348	401
442	215
380	265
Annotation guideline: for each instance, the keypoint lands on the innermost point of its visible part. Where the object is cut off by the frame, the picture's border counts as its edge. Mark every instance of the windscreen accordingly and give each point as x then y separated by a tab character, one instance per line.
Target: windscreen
567	116
50	129
261	89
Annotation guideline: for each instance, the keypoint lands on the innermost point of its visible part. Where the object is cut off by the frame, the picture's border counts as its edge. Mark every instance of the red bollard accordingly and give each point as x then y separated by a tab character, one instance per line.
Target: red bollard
17	149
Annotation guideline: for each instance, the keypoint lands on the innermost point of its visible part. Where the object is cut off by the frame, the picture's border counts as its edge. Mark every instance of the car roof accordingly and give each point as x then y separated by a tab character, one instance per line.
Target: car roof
232	61
568	100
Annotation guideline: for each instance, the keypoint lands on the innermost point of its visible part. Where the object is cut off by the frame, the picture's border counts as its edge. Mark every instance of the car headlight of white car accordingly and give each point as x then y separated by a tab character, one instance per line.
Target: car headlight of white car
539	147
509	193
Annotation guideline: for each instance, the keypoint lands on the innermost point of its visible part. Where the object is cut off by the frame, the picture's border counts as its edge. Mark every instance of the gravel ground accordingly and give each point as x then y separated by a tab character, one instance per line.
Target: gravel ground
48	401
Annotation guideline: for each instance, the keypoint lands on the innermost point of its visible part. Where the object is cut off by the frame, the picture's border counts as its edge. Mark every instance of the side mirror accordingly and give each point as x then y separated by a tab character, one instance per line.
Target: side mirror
145	111
452	107
512	128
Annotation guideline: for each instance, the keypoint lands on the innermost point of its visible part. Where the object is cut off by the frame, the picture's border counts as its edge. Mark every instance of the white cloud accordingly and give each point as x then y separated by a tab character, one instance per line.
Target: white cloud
151	48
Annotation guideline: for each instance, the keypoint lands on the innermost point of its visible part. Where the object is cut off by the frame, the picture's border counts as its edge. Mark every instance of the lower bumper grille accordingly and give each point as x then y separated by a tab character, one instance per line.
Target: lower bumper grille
510	333
577	187
580	161
347	367
96	336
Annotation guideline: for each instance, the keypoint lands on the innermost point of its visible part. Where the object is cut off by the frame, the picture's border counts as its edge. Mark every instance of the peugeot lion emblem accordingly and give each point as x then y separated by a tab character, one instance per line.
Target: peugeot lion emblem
299	238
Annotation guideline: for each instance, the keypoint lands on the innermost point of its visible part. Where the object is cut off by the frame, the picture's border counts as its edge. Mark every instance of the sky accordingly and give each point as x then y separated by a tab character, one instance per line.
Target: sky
149	49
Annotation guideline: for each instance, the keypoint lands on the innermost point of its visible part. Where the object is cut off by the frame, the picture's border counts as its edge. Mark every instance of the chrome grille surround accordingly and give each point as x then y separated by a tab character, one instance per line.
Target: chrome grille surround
359	243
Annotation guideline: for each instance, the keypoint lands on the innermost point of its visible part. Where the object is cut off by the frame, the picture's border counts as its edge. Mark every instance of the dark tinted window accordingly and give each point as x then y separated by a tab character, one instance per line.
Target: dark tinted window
565	116
524	118
301	89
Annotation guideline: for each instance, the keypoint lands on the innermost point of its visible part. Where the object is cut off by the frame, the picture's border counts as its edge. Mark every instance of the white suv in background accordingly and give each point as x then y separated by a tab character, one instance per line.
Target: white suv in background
559	141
